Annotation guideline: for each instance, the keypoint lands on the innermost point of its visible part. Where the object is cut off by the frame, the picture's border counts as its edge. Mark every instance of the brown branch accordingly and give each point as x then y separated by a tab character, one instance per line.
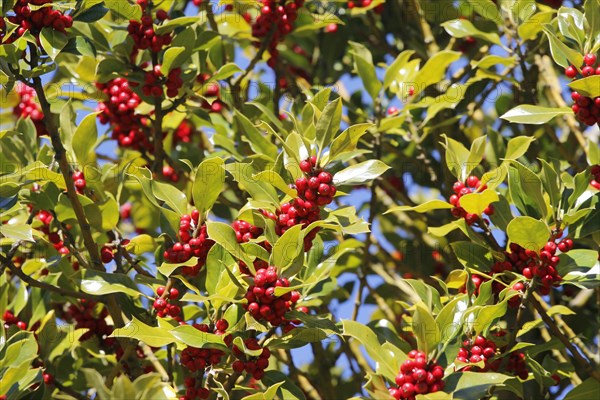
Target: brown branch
43	285
65	169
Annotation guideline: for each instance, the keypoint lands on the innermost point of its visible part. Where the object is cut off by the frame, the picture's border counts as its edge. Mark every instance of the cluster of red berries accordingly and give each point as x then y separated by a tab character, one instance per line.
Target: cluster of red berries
79	181
194	241
481	349
143	34
183	133
194	389
54	237
263	303
417	376
275	21
210	90
530	263
471	185
10	319
254	366
154	81
119	111
595	170
314	189
86	315
477	350
33	20
196	359
58	243
162	305
245	231
586	109
365	3
28	108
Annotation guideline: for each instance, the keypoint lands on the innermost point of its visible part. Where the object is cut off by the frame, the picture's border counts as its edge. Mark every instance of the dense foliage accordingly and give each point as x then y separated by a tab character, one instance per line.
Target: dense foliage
299	200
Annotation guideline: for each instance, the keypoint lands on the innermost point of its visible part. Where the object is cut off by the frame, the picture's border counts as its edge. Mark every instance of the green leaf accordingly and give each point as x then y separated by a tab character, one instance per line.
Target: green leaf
258	142
152	336
487	9
224	235
517	147
287	389
587	390
328	123
172	59
52	41
434	69
592	15
99	283
141	244
366	70
276	180
226	71
460	28
17	231
561	53
571	24
589	86
95	380
449	319
423	208
472	255
525	189
359	174
536	115
577	260
529	29
476	203
288	247
347	141
493	60
456	158
196	338
392	72
208	183
84	140
371	343
473	385
425	328
528	232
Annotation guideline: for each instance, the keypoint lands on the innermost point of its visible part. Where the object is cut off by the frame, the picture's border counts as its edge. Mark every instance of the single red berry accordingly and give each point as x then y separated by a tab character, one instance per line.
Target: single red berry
589	59
160	290
173	293
571	72
22	325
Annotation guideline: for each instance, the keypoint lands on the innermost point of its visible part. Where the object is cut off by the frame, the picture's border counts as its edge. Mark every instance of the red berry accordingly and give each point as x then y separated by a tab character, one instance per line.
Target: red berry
22	325
571	72
589	59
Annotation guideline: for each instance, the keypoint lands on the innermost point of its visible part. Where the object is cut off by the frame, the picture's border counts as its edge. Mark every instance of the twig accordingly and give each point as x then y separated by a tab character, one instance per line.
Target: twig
43	285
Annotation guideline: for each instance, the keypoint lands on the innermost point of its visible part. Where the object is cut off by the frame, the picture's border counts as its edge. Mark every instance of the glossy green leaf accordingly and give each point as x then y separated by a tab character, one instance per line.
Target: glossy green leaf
17	232
196	338
366	70
370	342
208	183
589	86
328	123
585	391
359	174
151	335
476	203
423	208
392	72
52	41
172	59
561	53
536	115
347	141
224	235
517	147
84	140
528	232
460	28
141	244
425	328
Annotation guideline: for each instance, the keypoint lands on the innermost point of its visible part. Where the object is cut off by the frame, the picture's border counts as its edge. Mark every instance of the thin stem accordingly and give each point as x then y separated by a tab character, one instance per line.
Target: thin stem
43	285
